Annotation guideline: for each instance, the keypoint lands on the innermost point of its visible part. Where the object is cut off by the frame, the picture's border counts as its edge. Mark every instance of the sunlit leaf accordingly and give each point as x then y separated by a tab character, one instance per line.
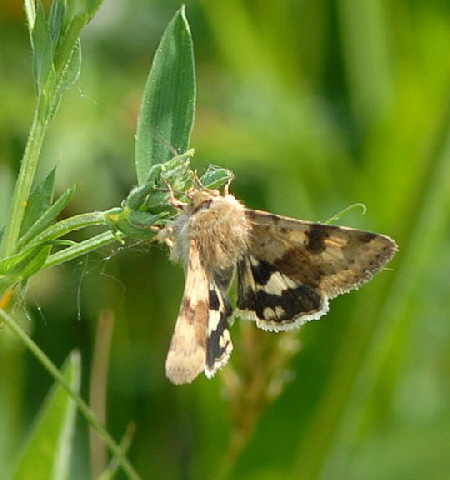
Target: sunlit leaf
167	110
215	177
30	11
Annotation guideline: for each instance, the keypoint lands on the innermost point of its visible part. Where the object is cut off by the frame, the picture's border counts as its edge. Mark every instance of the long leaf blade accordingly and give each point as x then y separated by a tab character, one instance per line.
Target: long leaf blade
167	111
47	453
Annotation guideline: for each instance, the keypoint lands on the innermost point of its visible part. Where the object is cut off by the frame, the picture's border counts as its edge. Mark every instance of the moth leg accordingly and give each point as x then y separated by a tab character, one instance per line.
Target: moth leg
226	188
174	202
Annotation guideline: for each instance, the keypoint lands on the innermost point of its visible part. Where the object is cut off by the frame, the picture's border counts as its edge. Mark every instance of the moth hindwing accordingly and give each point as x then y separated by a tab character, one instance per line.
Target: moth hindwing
287	270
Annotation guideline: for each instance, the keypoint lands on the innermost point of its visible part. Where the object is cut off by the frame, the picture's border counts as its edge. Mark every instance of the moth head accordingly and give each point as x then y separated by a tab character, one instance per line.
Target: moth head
199	199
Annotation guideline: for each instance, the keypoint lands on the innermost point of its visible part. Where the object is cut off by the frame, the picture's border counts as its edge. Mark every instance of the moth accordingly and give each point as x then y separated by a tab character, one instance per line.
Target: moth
287	271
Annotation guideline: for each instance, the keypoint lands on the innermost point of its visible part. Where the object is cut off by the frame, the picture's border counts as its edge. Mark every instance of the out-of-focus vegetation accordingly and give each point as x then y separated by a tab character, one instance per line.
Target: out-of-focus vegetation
314	105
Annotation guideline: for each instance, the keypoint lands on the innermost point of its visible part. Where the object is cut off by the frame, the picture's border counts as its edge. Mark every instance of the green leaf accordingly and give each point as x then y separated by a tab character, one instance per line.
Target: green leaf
71	70
47	217
48	450
166	116
92	6
42	48
25	263
215	177
82	248
176	172
39	201
136	198
135	224
56	18
66	76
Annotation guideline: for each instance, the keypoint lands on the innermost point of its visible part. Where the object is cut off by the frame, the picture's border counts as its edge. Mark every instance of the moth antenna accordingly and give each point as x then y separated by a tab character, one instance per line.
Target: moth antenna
197	180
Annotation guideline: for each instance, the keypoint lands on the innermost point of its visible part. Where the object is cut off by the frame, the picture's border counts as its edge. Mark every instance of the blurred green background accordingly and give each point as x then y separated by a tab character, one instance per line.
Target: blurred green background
315	105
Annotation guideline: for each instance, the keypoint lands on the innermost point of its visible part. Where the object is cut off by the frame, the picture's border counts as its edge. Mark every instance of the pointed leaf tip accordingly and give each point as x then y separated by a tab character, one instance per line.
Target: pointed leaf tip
167	110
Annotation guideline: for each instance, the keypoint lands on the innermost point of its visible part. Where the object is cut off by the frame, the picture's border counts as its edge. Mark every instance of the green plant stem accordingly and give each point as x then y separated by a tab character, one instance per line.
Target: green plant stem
24	182
81	404
46	107
69	225
82	248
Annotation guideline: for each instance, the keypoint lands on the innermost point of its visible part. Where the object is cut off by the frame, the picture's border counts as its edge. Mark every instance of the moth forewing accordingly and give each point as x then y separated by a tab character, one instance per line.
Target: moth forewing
294	267
187	352
333	258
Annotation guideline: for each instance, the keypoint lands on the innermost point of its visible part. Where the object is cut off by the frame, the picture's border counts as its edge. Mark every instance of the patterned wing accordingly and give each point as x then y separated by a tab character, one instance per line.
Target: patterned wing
201	340
187	352
218	342
293	267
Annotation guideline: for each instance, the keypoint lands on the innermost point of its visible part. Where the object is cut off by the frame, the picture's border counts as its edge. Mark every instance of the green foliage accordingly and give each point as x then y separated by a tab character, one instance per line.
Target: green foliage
215	177
167	112
56	56
168	102
22	265
46	218
42	45
33	229
39	202
148	205
49	449
314	106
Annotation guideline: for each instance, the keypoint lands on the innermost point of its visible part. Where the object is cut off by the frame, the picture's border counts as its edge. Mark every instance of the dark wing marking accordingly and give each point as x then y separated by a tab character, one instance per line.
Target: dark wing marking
273	299
294	267
328	257
218	341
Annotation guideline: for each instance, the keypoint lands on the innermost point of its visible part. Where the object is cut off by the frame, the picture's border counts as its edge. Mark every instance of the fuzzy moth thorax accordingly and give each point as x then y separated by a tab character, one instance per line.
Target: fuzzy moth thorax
218	225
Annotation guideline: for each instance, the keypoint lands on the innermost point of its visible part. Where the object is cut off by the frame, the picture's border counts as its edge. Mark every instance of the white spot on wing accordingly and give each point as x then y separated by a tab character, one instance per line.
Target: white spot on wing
274	326
224	340
214	319
277	284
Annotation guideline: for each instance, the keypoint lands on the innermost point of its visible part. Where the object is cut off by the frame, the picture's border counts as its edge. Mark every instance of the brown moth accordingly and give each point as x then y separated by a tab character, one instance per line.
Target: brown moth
287	270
